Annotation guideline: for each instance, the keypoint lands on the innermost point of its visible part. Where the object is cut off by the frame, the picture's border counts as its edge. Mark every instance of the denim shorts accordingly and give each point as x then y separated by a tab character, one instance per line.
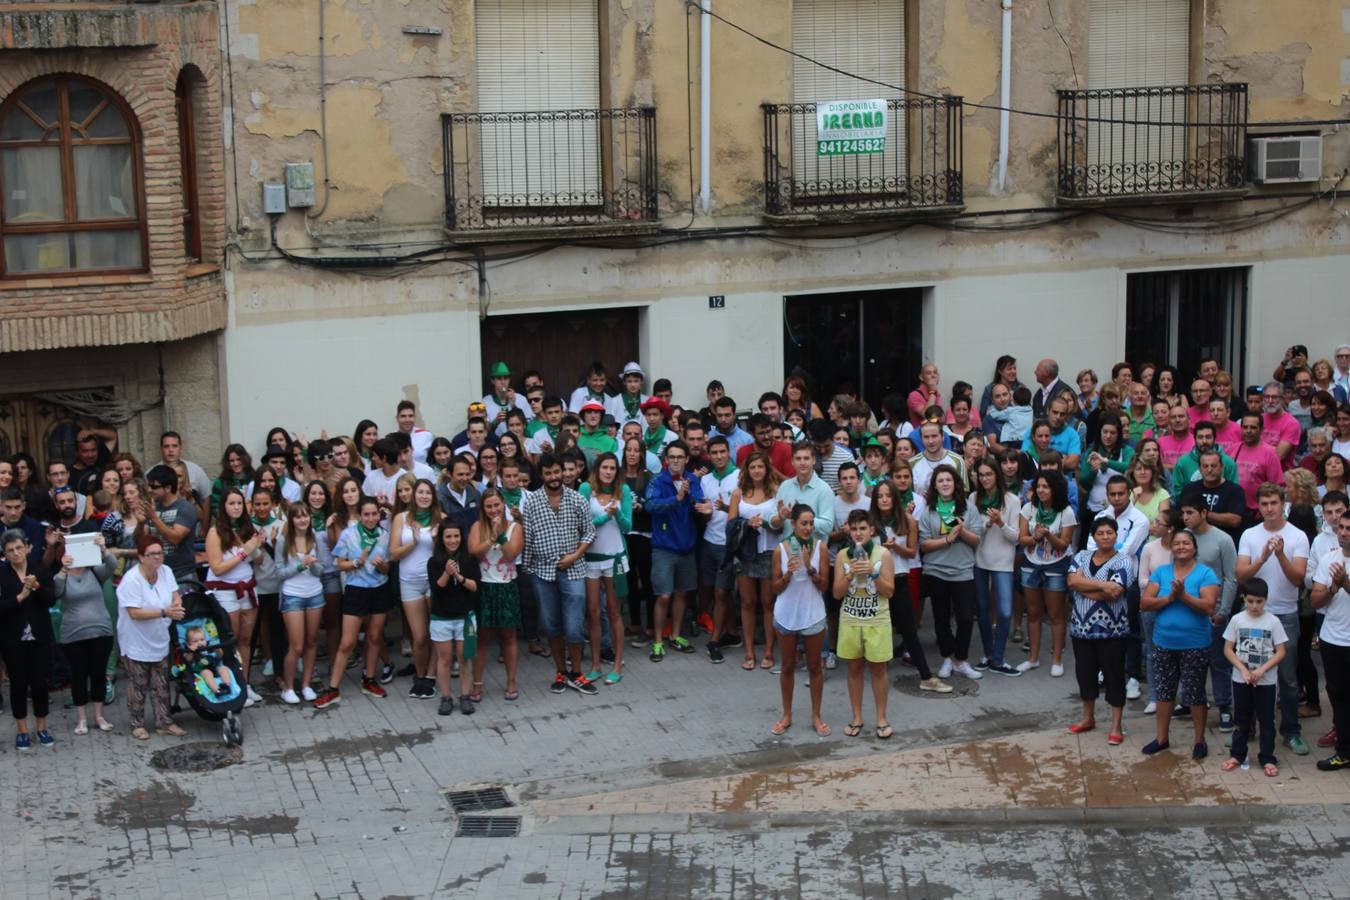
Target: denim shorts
410	589
1051	577
673	572
808	631
562	607
332	583
443	630
300	604
710	571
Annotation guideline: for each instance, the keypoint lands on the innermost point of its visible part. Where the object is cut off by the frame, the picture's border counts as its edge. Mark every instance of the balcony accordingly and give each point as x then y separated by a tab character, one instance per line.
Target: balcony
1152	144
917	172
573	172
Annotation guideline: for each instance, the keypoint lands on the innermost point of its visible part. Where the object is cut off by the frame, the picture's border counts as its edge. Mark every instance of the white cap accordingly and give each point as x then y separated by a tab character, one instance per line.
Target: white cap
633	369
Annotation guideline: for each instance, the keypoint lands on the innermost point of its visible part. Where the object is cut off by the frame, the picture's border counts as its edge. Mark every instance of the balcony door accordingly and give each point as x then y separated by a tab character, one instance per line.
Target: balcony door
562	345
1137	44
538	66
866	37
1181	317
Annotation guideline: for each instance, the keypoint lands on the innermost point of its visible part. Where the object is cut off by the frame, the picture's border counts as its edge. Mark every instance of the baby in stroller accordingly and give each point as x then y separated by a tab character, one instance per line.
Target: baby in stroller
206	662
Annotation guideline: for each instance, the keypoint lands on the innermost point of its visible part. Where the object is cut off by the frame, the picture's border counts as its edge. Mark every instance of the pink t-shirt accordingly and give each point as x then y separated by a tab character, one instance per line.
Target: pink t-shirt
1255	466
1229	437
1281	428
1172	448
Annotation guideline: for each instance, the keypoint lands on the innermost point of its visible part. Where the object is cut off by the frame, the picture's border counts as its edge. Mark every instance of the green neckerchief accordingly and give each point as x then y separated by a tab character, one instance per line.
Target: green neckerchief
422	517
270	520
990	502
655	440
598	398
872	480
795	545
317	521
946	510
500	401
731	467
631	403
369	536
1045	516
907	497
512	496
553	430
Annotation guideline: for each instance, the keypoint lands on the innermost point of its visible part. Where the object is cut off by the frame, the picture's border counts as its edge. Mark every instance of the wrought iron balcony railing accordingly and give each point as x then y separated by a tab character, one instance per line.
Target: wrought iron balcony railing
918	170
1137	143
566	168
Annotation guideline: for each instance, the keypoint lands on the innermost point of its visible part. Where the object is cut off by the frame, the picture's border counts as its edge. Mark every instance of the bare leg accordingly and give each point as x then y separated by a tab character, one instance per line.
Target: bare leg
511	651
375	643
815	666
1035	611
749	599
593	620
881	691
311	646
787	681
443	651
351	627
855	688
1057	609
416	618
295	646
616	632
766	599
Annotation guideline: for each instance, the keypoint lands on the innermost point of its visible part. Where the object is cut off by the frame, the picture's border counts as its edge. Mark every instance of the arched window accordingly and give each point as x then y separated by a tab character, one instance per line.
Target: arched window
71	199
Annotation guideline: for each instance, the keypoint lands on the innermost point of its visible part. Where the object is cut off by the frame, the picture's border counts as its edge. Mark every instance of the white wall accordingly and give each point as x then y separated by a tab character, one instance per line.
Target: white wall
1297	301
741	345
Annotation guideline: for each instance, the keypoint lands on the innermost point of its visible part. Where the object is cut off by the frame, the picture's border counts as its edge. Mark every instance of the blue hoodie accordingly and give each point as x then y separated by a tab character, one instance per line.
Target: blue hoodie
673	525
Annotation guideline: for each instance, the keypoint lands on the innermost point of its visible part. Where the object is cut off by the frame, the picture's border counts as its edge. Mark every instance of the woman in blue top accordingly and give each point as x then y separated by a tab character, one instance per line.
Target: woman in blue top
1184	594
362	555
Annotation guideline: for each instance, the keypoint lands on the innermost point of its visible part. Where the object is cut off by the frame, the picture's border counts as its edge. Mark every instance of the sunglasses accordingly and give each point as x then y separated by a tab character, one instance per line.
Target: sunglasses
319	456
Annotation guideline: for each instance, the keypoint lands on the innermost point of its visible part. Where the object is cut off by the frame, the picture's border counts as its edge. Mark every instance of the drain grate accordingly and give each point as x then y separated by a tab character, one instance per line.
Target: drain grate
484	800
488	826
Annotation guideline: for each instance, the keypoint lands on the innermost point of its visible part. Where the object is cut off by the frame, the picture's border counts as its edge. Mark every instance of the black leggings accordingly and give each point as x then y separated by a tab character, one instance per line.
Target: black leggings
952	598
639	580
903	624
27	663
88	668
270	604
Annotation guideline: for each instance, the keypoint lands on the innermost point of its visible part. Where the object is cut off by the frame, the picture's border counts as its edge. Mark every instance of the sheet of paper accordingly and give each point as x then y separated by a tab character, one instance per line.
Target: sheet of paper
84	551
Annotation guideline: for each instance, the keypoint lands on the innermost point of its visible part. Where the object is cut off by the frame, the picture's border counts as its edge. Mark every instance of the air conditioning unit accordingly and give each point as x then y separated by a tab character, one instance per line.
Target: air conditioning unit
1277	160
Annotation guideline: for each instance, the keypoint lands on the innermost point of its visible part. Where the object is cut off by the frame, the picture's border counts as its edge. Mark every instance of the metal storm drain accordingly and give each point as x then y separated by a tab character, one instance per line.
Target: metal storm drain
488	826
483	800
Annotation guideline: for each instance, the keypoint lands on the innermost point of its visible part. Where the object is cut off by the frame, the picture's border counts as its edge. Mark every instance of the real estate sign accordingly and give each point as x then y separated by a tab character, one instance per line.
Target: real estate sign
850	126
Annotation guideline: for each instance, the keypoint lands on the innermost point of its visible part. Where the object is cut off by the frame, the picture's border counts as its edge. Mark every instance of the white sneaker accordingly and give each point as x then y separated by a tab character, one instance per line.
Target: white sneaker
406	647
1056	670
831	660
288	696
1151	708
307	693
1132	689
966	669
252	696
1027	665
945	670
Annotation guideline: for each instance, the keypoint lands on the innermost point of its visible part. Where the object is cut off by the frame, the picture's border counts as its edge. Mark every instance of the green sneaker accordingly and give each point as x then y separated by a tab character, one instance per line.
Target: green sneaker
1295	743
613	678
658	652
682	644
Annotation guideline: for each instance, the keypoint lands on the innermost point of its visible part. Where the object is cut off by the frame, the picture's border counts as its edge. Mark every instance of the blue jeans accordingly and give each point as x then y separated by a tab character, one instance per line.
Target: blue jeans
1146	621
1288	679
999	586
1221	671
562	607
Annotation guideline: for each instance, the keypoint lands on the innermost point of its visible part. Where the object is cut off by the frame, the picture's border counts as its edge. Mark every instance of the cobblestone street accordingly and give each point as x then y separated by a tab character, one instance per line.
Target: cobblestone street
671	785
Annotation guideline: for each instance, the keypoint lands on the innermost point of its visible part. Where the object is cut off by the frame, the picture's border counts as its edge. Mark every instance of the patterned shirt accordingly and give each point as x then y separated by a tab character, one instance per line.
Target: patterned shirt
551	535
1097	620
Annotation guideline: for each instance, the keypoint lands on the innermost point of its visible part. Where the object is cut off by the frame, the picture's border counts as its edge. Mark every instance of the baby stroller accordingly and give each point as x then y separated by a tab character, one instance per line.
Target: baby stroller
202	611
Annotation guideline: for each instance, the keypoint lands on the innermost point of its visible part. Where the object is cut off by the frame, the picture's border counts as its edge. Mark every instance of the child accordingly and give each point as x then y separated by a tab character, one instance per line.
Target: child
206	662
453	576
109	520
1254	642
874	462
864	579
1014	419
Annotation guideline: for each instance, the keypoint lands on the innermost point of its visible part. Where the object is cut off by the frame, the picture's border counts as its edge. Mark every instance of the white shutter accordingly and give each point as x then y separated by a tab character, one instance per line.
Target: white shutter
864	37
539	56
1132	44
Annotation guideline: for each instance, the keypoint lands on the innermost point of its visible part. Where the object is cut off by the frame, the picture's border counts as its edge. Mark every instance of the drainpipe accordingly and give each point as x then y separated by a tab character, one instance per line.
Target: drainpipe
705	107
1004	95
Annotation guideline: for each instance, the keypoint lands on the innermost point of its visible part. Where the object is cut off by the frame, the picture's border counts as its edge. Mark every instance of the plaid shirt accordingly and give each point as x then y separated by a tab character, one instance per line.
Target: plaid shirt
551	535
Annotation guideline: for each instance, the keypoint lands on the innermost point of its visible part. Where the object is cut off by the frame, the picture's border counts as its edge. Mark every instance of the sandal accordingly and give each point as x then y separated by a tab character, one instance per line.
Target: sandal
1271	770
1230	764
885	731
103	724
537	649
140	734
749	664
853	729
81	727
766	662
477	695
822	729
780	726
511	696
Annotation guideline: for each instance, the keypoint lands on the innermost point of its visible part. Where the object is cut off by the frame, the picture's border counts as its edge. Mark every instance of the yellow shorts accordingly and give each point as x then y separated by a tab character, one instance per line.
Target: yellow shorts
870	642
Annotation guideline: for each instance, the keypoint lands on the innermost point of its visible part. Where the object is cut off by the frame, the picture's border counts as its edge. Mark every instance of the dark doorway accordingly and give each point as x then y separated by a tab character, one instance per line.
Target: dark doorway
1181	317
871	340
562	345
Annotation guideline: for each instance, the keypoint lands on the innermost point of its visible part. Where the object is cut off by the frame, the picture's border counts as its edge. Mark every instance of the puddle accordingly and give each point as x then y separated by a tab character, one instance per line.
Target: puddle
198	756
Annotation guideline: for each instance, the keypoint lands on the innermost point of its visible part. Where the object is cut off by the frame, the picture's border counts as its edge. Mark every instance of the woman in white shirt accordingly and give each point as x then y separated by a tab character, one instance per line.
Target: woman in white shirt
995	521
146	598
411	534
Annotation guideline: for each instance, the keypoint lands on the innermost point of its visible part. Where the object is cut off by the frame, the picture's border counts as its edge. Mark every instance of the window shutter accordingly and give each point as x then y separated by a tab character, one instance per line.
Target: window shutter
539	56
864	37
1138	43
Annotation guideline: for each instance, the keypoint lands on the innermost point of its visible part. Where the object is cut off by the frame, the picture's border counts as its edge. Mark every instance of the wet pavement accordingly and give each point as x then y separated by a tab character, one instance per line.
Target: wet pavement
667	785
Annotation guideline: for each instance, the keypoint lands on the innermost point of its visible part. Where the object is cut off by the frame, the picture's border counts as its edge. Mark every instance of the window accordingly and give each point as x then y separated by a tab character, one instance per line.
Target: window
70	179
185	99
871	341
1181	317
538	56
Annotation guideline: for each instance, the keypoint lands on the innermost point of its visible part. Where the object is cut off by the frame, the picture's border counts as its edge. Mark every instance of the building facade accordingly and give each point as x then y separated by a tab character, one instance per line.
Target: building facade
112	224
415	190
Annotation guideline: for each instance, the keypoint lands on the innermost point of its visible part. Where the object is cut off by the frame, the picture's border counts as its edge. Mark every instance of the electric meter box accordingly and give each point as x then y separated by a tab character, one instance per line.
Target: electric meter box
274	198
300	185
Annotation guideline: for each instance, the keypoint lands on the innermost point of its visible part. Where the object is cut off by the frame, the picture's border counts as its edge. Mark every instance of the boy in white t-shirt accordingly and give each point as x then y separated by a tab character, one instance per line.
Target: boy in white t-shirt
1254	642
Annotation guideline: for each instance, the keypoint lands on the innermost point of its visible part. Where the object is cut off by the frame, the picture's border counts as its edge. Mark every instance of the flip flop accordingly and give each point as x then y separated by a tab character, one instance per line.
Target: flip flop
822	729
766	663
537	650
511	696
779	727
748	665
1271	770
1230	764
884	732
853	729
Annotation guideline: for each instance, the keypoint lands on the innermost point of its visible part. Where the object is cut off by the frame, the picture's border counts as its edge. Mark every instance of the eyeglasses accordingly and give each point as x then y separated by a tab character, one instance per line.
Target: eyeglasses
153	553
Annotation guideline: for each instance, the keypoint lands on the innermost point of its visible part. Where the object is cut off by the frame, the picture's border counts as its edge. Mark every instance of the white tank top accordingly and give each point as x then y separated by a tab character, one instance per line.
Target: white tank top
241	571
496	568
800	605
768	538
414	565
608	538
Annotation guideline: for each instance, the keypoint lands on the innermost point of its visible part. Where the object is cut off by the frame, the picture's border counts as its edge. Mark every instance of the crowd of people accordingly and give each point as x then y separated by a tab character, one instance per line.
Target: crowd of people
1182	537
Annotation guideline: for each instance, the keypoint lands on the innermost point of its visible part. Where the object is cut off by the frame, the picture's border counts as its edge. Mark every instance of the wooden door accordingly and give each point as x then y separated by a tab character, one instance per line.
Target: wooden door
45	430
562	345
